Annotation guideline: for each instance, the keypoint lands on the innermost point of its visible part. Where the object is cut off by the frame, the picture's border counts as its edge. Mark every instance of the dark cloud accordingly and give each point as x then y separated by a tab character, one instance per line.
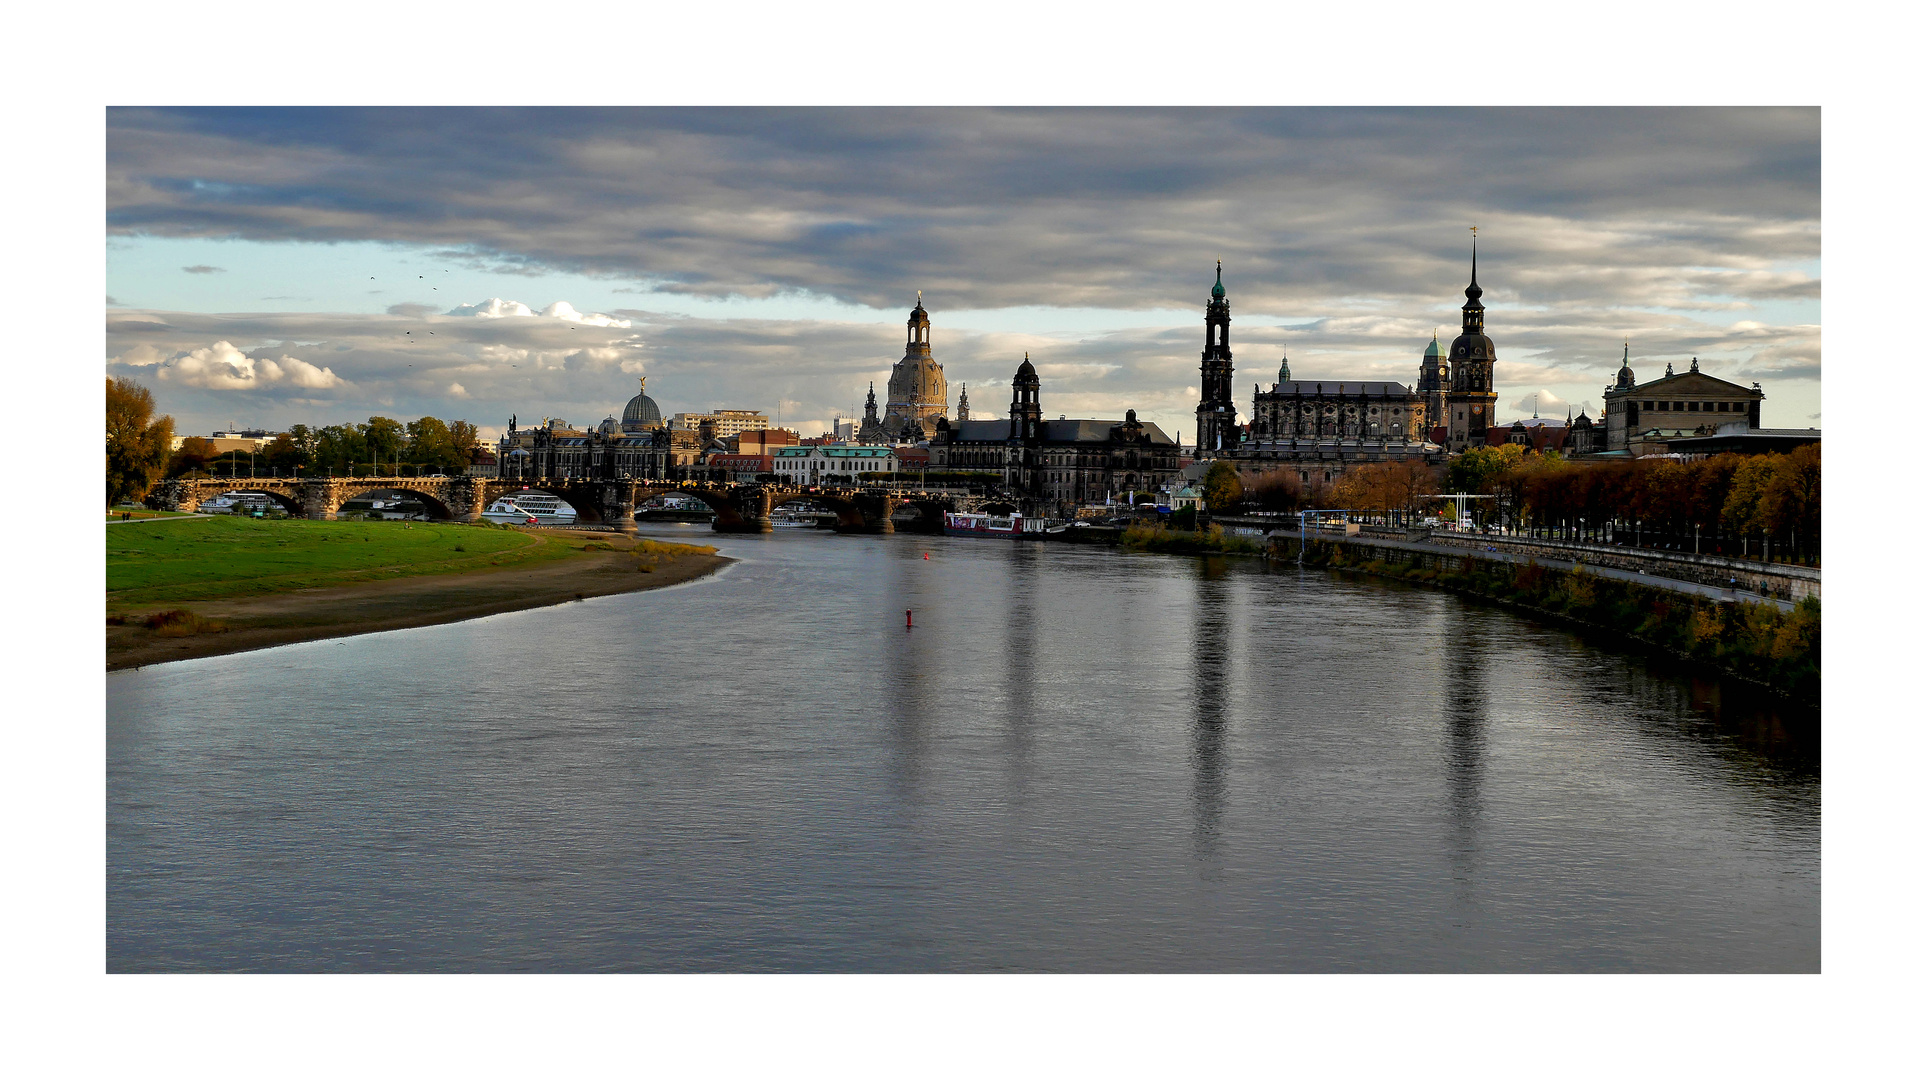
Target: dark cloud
1117	208
412	310
202	269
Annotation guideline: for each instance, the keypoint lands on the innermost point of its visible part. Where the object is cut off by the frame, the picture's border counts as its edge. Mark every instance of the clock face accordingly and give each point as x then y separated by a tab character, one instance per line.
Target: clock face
1477	409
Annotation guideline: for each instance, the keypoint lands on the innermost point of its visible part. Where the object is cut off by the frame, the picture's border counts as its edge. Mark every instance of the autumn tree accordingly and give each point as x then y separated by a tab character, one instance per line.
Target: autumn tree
137	442
194	456
1277	491
1222	488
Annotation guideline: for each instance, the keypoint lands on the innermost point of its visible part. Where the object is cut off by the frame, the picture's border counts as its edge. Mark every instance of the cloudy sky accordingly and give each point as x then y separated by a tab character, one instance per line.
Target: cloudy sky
274	266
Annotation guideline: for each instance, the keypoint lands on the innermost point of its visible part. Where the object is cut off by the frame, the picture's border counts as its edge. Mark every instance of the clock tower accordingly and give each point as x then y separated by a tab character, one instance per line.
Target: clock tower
1472	397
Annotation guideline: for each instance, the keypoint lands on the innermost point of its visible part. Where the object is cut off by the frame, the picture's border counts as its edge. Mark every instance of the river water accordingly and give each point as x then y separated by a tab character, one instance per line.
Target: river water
1078	760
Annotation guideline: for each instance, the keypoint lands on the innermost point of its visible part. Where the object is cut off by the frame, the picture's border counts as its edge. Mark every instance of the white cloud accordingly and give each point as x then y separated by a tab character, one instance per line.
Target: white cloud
457	390
497	308
1545	402
142	355
562	309
221	366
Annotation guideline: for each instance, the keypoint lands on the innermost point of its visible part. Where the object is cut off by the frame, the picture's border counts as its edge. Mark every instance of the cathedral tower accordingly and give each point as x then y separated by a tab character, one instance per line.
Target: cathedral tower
1217	413
917	388
1434	378
1023	458
1470	401
963	403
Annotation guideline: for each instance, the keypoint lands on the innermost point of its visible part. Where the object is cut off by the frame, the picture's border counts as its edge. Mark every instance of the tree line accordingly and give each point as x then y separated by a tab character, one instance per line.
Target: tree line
1753	506
380	447
139	453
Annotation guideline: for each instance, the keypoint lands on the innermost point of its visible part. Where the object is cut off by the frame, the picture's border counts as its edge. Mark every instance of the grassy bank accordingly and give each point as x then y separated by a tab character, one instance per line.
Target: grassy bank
234	557
1212	541
233	584
1759	642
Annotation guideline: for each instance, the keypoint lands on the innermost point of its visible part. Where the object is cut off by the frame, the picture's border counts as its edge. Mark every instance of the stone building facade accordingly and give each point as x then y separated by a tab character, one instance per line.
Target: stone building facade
1472	397
1218	431
918	393
1641	419
639	447
1057	465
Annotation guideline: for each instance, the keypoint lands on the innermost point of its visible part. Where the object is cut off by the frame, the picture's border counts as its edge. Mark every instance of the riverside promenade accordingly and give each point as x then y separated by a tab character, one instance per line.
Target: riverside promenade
1286	542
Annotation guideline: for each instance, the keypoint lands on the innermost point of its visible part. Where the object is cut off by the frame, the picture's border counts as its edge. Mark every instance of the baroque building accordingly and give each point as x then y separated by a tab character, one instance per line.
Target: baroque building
638	447
1217	414
1641	419
1472	397
1433	379
918	393
871	432
1057	465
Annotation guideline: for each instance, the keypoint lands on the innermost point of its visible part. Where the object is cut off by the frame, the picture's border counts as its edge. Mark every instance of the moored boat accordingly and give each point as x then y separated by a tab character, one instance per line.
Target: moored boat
998	526
530	508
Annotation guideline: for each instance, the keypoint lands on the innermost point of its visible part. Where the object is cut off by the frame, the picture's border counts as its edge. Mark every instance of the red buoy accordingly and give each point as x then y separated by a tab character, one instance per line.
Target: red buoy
907	624
926	555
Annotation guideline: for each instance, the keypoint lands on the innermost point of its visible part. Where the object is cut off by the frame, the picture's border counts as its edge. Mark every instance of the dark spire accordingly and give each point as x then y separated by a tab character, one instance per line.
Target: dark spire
1472	291
1217	291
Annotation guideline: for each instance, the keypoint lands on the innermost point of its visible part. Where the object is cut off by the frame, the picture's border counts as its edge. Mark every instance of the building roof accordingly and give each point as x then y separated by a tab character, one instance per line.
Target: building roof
1756	441
1055	431
1694	375
1320	388
832	451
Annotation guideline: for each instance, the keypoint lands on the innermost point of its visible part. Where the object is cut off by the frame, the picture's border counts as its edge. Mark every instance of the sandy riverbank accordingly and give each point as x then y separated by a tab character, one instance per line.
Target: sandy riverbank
311	614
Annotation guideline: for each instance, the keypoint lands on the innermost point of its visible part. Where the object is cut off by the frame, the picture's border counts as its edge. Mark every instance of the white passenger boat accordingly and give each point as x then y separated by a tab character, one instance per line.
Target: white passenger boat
530	508
999	526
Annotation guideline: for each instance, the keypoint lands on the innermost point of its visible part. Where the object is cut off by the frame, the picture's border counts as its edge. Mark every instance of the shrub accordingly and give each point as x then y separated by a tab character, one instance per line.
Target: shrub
182	623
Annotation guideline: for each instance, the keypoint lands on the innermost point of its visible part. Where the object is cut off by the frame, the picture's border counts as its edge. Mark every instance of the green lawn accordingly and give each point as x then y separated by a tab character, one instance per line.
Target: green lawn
229	557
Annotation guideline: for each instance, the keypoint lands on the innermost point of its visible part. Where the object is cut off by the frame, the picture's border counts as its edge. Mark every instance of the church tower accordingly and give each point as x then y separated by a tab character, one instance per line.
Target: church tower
963	403
1021	458
1217	413
871	433
917	388
1470	401
1433	380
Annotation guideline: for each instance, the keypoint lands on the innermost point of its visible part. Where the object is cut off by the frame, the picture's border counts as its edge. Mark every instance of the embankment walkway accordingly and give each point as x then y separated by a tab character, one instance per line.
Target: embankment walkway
1391	550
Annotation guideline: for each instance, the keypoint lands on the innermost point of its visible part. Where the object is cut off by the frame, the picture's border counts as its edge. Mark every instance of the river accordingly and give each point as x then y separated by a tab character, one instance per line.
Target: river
1077	760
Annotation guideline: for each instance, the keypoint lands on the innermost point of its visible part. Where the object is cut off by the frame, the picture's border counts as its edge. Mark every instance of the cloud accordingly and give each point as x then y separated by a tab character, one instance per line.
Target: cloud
567	313
221	366
497	308
989	208
1542	402
1689	232
457	390
203	269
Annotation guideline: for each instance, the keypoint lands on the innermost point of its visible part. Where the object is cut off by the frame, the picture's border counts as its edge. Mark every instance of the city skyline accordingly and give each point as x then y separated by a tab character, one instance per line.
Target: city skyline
267	267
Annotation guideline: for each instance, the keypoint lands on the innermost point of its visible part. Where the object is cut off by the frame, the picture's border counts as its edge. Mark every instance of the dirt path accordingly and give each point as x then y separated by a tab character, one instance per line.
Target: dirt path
312	614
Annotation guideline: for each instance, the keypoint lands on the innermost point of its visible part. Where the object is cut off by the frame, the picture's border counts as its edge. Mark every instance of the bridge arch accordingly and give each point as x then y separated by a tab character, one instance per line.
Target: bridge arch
286	500
849	517
438	508
729	515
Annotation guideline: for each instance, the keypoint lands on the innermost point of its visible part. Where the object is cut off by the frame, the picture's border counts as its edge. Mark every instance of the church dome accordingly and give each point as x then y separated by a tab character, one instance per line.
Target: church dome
641	414
1432	350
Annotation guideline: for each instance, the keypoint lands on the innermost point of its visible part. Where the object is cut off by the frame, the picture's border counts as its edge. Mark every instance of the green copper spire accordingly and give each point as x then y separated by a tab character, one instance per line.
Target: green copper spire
1284	369
1217	291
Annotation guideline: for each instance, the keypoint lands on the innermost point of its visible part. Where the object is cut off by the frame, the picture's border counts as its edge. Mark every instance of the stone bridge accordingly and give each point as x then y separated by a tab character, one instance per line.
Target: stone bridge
739	507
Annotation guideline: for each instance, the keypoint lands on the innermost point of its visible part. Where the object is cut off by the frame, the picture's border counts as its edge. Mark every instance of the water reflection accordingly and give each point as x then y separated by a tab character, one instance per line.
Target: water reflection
1466	713
1211	676
1040	776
